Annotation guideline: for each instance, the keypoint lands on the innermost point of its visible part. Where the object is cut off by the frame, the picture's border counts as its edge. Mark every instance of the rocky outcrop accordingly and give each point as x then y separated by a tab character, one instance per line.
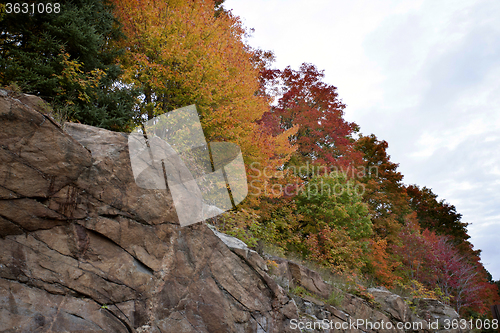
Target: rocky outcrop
84	249
386	312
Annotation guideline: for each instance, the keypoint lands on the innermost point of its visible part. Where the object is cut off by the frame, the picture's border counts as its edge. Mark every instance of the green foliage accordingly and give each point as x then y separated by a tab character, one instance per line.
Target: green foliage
326	223
300	291
67	59
384	190
2	10
334	201
279	224
245	224
336	297
242	224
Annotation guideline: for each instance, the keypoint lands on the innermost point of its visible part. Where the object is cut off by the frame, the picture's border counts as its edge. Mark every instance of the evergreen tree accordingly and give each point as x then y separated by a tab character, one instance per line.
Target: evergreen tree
67	58
440	217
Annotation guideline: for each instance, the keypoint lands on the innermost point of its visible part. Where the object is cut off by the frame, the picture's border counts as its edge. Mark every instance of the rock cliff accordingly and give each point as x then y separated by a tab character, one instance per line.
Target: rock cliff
84	249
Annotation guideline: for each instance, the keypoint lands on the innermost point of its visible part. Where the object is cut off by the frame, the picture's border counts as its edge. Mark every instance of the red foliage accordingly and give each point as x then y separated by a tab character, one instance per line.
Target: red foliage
324	137
435	261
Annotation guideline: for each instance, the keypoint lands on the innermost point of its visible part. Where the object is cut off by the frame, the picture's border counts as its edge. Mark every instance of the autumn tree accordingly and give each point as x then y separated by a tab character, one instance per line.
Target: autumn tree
439	216
333	248
181	53
381	264
306	101
456	276
67	59
412	251
385	193
435	261
335	222
461	275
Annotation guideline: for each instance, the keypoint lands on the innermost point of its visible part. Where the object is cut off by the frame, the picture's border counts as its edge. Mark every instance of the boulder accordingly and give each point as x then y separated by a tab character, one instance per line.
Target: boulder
297	275
394	305
435	311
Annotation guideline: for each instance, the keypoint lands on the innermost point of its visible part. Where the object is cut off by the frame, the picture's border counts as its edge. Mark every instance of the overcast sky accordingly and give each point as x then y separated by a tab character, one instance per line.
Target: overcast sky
422	75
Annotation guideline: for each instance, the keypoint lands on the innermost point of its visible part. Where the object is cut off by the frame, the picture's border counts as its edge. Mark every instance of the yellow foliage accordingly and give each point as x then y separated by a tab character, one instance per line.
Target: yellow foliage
180	53
73	81
418	290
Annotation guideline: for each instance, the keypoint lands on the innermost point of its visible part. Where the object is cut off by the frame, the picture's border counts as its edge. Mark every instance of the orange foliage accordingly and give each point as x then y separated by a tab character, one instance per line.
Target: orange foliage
383	265
184	52
334	248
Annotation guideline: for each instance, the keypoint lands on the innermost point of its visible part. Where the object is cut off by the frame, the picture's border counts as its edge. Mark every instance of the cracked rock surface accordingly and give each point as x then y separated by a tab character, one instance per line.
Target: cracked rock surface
84	249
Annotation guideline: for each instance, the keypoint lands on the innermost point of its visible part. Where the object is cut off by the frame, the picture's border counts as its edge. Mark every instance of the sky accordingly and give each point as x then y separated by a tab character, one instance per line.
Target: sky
424	75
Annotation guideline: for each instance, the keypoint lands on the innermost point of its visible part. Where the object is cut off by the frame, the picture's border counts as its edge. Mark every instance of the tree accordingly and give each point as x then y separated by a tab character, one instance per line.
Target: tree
434	261
412	251
439	216
460	276
335	223
382	265
184	52
304	100
67	59
385	193
336	202
333	248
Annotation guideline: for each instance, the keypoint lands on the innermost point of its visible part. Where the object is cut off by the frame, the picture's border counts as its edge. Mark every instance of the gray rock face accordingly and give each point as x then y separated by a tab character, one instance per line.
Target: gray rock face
84	249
